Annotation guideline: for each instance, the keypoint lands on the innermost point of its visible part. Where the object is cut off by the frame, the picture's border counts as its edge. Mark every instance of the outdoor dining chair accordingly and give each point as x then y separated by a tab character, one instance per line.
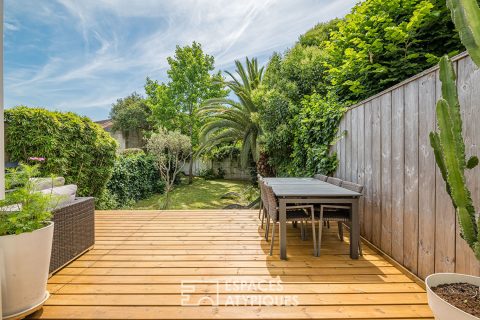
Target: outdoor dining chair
334	181
302	213
339	213
321	177
263	200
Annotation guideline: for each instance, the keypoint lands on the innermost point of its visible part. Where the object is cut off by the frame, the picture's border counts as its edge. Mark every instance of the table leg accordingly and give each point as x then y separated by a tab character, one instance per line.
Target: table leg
354	230
283	228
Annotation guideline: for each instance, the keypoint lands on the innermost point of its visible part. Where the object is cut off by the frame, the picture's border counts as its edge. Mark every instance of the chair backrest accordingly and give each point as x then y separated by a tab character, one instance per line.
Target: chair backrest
259	181
352	186
272	203
334	181
263	193
320	177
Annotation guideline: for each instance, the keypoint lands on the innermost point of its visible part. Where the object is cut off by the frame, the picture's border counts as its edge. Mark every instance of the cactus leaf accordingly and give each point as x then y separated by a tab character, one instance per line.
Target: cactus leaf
466	16
455	165
449	90
472	162
477	249
438	152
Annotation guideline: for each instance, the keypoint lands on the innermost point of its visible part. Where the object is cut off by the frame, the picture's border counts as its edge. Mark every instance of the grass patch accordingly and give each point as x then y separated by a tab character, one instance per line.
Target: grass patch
201	194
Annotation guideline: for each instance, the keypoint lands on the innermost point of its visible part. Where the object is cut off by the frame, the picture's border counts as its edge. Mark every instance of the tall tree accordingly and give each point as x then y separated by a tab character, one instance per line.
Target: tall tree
231	121
131	114
191	83
164	112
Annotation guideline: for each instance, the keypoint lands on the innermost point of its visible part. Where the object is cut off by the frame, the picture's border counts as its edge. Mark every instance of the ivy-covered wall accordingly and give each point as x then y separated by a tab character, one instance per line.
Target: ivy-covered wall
338	63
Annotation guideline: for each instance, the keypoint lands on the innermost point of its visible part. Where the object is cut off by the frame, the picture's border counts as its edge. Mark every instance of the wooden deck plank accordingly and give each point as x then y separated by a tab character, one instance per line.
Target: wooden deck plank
176	299
246	312
144	279
140	261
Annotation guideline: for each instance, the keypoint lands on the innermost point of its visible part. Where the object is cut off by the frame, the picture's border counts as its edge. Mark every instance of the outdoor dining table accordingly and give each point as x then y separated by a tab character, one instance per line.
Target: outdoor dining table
313	191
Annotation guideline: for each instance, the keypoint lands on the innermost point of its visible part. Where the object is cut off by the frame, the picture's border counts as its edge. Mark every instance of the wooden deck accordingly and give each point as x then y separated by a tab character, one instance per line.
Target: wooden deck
141	258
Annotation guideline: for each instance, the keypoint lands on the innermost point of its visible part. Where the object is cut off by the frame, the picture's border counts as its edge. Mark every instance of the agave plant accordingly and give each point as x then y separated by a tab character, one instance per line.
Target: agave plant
230	121
448	143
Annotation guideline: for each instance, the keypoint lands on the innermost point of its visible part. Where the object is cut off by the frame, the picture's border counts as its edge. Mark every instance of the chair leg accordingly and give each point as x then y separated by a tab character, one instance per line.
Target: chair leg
273	238
267	228
302	230
260	209
328	224
314	238
263	216
340	230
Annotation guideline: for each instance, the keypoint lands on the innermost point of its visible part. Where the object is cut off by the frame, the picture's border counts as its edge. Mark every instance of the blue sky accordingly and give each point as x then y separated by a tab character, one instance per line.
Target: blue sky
82	55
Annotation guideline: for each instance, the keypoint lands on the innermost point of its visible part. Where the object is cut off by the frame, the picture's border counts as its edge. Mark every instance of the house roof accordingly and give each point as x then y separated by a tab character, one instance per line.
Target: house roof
105	124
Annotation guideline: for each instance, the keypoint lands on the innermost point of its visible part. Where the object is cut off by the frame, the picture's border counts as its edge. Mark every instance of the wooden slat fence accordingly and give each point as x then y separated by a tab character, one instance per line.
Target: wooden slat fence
406	211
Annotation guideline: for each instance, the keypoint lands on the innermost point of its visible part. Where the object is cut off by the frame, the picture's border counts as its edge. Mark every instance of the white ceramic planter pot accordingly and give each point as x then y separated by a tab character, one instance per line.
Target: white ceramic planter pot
24	265
443	310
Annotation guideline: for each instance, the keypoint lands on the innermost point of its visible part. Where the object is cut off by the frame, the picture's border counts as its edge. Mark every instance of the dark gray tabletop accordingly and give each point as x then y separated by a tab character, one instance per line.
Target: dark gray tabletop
291	181
307	187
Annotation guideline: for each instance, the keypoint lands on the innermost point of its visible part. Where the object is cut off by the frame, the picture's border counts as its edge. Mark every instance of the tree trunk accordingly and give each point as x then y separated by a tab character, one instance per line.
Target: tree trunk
190	167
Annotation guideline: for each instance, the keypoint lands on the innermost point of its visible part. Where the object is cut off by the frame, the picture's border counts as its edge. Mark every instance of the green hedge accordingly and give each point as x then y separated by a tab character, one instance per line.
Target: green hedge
135	177
73	146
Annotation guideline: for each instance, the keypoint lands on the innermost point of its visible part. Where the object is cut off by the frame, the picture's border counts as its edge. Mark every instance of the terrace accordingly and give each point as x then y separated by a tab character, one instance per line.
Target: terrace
367	123
140	260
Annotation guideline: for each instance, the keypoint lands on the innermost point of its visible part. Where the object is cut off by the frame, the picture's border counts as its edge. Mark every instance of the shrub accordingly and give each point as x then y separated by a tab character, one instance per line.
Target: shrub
106	201
210	174
73	146
135	177
132	152
207	174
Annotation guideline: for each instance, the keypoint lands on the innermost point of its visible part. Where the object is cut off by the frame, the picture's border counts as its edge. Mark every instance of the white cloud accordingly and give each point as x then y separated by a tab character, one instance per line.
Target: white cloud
123	41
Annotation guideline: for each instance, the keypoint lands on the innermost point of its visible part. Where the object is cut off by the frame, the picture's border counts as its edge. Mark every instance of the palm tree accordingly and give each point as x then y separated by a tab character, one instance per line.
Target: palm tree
230	121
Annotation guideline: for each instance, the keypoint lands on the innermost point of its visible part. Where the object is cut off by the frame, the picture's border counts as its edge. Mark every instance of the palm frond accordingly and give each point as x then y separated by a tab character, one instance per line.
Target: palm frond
231	121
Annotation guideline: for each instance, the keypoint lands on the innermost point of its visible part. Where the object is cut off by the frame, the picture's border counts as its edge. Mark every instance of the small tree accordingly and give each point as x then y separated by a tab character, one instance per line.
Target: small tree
171	150
192	82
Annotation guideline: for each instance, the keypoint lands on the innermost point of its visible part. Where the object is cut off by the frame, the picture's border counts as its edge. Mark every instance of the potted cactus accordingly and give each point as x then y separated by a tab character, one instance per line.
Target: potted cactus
450	295
25	244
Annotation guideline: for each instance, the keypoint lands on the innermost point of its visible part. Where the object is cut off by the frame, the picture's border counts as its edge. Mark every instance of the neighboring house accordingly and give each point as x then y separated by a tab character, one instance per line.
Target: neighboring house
125	139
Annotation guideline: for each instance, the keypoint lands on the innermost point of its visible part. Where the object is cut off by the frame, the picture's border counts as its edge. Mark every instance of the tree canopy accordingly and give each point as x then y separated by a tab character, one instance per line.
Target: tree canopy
130	113
338	63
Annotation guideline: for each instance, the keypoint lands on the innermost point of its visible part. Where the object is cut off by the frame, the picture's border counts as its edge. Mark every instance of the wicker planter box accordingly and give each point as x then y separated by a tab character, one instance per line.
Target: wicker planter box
74	231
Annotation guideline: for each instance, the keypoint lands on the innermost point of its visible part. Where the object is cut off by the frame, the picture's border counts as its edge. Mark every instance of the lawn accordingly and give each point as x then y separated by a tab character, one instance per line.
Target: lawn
202	194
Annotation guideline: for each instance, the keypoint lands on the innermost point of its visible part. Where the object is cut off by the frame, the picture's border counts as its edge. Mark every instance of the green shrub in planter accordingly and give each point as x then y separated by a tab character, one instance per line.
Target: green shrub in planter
24	209
73	146
26	238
